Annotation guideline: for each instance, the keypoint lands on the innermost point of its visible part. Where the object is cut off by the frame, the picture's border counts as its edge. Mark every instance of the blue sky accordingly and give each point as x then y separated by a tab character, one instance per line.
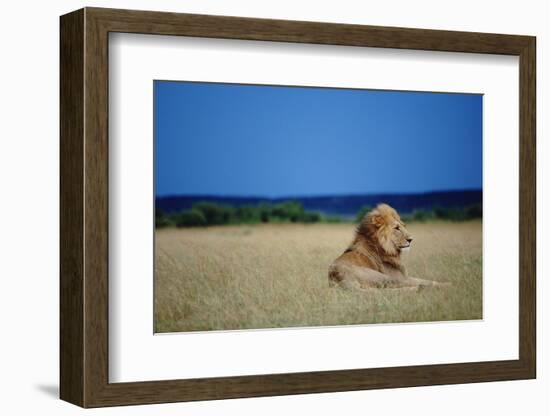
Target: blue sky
273	141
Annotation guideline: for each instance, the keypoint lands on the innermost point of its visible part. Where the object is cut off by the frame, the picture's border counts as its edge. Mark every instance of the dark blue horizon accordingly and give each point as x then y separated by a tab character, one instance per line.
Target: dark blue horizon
290	197
278	141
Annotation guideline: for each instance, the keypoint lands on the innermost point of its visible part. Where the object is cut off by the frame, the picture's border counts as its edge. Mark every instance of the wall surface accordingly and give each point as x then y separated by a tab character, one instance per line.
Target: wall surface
29	221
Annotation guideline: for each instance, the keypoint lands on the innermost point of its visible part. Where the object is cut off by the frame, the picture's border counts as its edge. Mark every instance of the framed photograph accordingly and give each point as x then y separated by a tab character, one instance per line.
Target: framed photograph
254	207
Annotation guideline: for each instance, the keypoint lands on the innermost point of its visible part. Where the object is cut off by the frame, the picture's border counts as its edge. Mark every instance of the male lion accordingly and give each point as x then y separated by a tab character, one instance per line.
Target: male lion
373	260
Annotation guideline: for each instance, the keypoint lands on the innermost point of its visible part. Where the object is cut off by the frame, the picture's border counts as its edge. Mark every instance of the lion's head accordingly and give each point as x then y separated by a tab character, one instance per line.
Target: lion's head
383	225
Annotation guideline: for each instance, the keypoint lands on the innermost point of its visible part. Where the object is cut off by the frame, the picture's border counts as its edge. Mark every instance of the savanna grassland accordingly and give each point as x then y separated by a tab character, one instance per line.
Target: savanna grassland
275	275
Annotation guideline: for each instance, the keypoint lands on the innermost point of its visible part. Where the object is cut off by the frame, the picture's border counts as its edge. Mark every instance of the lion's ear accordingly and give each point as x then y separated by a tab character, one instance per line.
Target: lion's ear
376	220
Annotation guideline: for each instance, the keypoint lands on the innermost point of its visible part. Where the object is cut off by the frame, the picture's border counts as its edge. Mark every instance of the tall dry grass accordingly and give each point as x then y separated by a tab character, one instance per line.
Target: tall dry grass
272	276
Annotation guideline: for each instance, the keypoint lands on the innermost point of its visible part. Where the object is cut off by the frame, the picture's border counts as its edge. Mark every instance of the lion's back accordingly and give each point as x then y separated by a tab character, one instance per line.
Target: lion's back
348	259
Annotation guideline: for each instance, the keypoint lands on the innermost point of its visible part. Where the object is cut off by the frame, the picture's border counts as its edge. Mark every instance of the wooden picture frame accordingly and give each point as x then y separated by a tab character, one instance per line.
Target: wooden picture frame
84	207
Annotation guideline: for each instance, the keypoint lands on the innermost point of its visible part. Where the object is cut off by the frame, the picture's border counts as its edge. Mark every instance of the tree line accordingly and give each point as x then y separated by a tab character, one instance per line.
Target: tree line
204	214
466	213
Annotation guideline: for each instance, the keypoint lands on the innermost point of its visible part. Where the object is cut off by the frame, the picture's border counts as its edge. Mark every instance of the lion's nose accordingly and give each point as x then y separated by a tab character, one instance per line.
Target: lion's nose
409	239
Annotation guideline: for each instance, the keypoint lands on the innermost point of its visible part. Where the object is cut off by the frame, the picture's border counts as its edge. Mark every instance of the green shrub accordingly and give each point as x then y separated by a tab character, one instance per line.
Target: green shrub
247	214
421	215
362	212
265	212
161	219
191	218
451	214
310	217
332	219
459	214
446	214
474	211
290	210
214	214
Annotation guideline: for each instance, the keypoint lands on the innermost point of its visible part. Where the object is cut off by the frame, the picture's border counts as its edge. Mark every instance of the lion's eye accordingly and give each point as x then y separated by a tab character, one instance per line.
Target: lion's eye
397	227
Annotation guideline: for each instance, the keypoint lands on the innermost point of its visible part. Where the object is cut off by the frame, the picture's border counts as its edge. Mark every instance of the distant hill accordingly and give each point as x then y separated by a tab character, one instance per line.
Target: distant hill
341	205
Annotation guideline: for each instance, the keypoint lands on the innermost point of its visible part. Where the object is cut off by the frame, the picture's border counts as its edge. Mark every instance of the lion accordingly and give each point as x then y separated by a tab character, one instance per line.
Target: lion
373	260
